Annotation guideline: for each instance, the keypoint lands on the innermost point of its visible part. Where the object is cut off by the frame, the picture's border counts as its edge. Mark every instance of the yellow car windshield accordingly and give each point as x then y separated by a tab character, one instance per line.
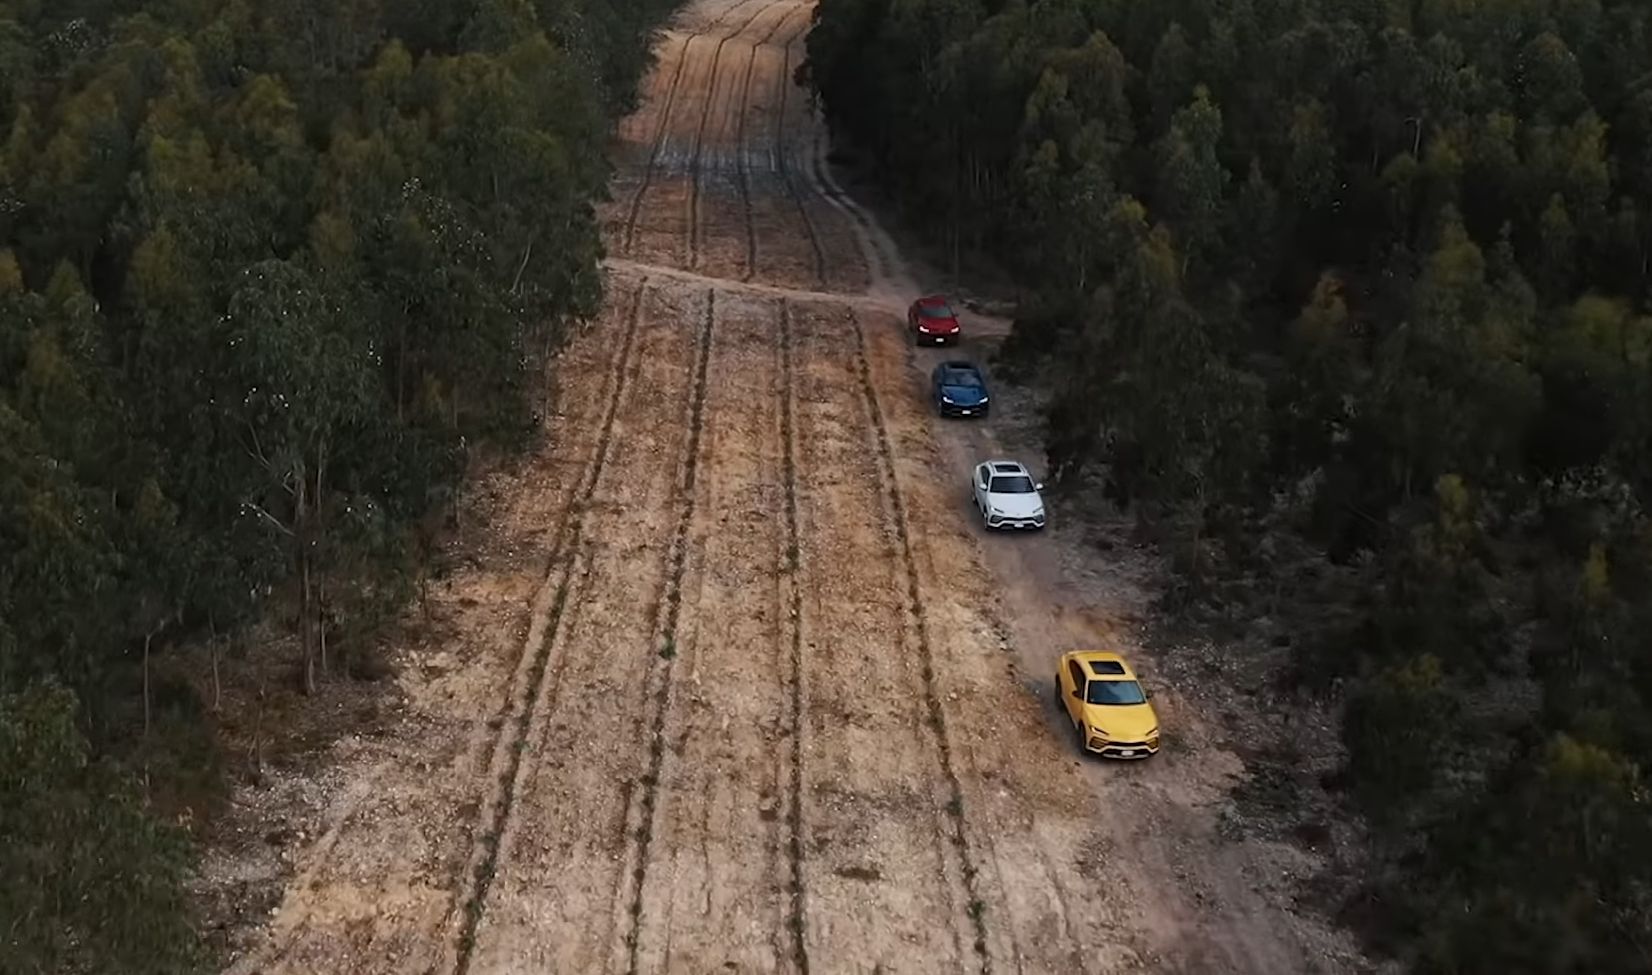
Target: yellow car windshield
1114	692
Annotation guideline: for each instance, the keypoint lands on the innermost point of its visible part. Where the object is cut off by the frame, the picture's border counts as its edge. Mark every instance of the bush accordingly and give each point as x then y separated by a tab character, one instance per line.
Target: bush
1394	727
92	882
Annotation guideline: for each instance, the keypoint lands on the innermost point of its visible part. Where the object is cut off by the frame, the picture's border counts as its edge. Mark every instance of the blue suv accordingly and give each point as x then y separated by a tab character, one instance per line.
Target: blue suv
959	389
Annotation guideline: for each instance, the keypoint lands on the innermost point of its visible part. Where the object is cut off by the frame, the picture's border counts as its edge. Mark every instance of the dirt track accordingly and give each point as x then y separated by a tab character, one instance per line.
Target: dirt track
736	683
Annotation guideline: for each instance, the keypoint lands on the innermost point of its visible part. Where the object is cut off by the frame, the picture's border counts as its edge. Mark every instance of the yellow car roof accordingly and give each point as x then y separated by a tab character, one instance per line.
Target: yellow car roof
1105	665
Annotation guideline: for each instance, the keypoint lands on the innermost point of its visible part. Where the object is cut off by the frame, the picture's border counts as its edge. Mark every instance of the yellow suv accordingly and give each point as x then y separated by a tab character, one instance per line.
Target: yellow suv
1106	704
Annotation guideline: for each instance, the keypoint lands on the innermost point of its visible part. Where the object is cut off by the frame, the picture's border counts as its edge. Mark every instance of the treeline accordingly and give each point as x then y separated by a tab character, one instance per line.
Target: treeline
1378	271
268	272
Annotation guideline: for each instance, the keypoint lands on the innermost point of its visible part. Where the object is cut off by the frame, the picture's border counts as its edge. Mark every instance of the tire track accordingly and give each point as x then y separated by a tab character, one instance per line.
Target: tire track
882	263
718	878
797	921
558	901
915	609
881	304
526	696
635	207
1024	823
744	170
988	854
667	630
693	260
884	883
314	926
743	151
780	151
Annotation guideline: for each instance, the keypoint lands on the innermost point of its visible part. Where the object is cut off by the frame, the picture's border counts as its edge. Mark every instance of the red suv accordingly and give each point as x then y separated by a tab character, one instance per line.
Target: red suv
931	319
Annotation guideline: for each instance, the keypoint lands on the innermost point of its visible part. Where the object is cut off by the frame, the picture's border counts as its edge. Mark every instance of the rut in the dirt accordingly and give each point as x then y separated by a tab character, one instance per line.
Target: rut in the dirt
515	719
797	918
669	636
936	715
628	236
757	712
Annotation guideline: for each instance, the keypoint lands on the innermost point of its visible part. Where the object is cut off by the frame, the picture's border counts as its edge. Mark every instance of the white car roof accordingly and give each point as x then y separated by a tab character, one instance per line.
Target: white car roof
1006	467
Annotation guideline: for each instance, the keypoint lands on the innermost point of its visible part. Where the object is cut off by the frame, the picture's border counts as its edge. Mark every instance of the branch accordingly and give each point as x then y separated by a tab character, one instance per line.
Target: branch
258	449
522	267
257	454
271	519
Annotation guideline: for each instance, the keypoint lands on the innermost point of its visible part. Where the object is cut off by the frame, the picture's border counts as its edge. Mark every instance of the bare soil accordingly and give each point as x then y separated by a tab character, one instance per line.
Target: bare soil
729	677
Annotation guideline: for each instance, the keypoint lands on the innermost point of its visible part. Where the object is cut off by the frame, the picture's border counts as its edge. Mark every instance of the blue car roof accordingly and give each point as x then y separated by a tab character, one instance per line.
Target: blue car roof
945	369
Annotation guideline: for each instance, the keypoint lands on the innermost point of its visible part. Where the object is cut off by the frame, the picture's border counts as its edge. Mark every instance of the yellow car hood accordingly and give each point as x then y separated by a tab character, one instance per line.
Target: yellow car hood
1127	722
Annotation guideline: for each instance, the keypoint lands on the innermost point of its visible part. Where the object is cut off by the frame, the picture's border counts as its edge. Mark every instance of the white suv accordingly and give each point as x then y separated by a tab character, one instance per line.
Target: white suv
1007	496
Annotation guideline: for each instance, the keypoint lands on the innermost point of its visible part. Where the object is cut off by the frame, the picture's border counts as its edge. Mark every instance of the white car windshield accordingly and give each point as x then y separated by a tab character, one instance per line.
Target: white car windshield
1011	484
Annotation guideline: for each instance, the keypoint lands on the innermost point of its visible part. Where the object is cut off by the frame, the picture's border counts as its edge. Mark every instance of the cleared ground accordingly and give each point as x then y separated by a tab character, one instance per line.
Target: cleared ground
737	684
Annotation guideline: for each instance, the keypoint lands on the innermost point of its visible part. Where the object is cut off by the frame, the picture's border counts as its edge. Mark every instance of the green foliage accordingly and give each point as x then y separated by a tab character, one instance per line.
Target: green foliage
93	883
1394	257
1394	724
267	271
1550	873
1192	181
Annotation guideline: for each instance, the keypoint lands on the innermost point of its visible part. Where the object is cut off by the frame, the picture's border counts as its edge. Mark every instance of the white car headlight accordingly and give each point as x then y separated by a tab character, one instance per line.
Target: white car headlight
947	399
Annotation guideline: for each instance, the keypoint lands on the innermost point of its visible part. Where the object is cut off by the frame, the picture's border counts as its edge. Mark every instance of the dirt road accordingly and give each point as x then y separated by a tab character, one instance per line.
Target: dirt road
735	682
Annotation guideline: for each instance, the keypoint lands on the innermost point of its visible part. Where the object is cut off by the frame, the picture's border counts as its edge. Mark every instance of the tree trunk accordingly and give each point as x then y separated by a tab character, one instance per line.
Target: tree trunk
957	213
321	586
306	595
307	624
1195	568
401	363
321	626
516	282
957	276
212	644
146	638
256	758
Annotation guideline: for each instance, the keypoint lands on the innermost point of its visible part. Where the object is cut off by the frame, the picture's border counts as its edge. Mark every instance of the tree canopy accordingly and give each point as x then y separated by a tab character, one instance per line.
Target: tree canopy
1390	259
267	271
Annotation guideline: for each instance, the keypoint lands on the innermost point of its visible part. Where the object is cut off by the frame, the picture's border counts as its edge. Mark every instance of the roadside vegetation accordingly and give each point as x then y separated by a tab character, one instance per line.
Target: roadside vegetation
269	274
1368	280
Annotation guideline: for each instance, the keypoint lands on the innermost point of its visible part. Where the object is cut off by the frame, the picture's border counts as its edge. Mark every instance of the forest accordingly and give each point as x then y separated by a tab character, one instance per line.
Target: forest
270	274
1369	276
